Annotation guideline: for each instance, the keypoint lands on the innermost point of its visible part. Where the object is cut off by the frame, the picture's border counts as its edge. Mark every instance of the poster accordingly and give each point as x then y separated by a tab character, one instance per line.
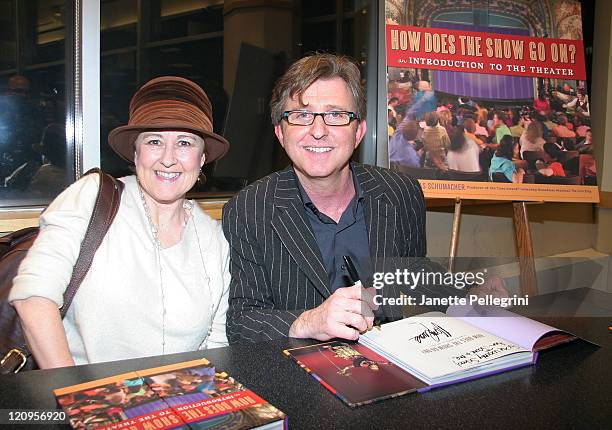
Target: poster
488	100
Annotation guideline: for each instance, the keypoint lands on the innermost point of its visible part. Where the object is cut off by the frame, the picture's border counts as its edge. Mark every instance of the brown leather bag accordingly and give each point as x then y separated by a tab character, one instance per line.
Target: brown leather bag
13	249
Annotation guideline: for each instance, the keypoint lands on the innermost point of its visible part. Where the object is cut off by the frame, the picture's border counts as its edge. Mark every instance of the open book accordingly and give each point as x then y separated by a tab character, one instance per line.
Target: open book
463	344
434	349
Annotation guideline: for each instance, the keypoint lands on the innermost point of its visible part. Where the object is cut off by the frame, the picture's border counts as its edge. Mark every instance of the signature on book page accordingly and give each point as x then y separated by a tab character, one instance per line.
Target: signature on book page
435	333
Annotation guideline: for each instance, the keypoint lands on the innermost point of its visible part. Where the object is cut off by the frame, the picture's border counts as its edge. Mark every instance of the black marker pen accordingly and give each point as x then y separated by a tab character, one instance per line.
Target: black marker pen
354	277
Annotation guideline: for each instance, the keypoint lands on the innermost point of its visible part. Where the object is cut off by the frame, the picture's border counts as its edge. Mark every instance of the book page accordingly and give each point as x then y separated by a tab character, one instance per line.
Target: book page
434	345
500	322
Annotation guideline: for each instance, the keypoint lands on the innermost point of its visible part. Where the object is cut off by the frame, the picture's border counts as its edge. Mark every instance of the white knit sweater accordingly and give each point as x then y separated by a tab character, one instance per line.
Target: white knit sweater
117	312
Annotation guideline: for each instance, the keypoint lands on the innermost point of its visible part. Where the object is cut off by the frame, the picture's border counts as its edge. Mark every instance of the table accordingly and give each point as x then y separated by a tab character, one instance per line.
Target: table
569	387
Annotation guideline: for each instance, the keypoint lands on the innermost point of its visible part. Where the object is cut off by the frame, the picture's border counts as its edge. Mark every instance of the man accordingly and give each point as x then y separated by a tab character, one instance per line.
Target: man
518	126
289	231
392	104
402	145
424	101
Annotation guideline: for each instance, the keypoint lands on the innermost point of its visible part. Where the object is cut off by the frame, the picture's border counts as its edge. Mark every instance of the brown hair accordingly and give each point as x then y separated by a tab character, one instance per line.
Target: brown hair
500	115
535	129
304	72
506	147
470	125
446	118
457	139
410	130
431	119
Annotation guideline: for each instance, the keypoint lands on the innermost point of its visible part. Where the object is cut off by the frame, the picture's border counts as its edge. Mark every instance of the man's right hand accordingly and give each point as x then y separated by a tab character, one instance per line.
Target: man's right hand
344	314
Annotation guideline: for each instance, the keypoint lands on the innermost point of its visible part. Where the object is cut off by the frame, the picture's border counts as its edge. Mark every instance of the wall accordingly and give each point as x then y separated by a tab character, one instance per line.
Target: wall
488	231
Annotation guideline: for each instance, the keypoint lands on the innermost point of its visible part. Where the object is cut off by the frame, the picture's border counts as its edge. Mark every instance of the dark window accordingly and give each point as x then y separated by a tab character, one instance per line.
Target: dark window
235	51
35	160
318	8
118	20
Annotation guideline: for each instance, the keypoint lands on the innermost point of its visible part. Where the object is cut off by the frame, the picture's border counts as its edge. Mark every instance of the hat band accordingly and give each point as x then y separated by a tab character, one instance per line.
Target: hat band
172	113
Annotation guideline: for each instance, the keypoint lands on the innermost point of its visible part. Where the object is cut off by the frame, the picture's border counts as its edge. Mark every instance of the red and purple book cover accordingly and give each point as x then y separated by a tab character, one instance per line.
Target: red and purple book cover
189	395
354	373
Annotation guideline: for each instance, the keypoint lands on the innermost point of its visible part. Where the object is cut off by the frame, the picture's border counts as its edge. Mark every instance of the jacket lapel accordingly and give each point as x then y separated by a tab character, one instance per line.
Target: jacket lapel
293	228
380	216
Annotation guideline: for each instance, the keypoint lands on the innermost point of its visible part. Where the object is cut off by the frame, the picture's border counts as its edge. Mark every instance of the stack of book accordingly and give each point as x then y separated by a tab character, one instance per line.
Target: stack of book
186	395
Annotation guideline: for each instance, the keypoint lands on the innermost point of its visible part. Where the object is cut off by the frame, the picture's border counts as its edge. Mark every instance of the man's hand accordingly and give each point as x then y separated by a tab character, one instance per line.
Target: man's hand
344	314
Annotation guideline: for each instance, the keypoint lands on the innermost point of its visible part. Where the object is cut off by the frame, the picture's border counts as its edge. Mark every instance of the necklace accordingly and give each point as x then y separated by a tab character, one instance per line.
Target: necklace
188	206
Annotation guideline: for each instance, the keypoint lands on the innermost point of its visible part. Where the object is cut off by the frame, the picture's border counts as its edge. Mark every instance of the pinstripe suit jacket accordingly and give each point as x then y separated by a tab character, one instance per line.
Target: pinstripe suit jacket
276	265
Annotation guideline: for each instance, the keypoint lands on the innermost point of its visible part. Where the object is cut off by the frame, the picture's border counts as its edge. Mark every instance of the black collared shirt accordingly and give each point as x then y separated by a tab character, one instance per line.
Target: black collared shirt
347	237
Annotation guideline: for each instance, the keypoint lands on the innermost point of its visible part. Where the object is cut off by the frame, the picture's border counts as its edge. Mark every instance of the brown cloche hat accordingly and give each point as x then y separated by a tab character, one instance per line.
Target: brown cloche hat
169	103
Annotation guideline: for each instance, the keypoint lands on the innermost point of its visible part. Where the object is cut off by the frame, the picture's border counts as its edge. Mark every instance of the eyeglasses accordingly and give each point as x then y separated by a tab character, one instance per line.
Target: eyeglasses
301	117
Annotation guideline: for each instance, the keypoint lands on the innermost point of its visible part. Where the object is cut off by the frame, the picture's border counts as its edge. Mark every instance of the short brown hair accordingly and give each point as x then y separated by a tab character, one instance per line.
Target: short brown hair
304	72
500	115
469	125
410	130
431	119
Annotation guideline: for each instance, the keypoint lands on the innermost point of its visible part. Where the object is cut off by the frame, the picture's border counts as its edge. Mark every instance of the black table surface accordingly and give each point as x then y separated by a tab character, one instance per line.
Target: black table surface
569	387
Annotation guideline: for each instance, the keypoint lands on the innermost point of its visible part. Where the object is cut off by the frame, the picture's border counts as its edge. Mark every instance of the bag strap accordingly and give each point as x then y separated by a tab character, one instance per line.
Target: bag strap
105	209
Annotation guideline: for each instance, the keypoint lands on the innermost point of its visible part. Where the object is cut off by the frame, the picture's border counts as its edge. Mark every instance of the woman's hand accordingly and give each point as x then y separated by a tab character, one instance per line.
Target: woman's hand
44	332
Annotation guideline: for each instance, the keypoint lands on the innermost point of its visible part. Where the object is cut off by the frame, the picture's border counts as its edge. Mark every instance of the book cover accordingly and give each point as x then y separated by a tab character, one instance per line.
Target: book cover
353	372
188	395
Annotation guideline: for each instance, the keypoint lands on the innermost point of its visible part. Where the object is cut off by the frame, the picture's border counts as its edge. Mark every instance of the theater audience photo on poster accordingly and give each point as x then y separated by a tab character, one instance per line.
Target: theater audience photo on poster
472	84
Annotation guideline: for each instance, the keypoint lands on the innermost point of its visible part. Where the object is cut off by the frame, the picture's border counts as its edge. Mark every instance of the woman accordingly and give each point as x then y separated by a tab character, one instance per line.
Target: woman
532	138
159	281
549	165
481	113
446	120
502	161
470	133
464	153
